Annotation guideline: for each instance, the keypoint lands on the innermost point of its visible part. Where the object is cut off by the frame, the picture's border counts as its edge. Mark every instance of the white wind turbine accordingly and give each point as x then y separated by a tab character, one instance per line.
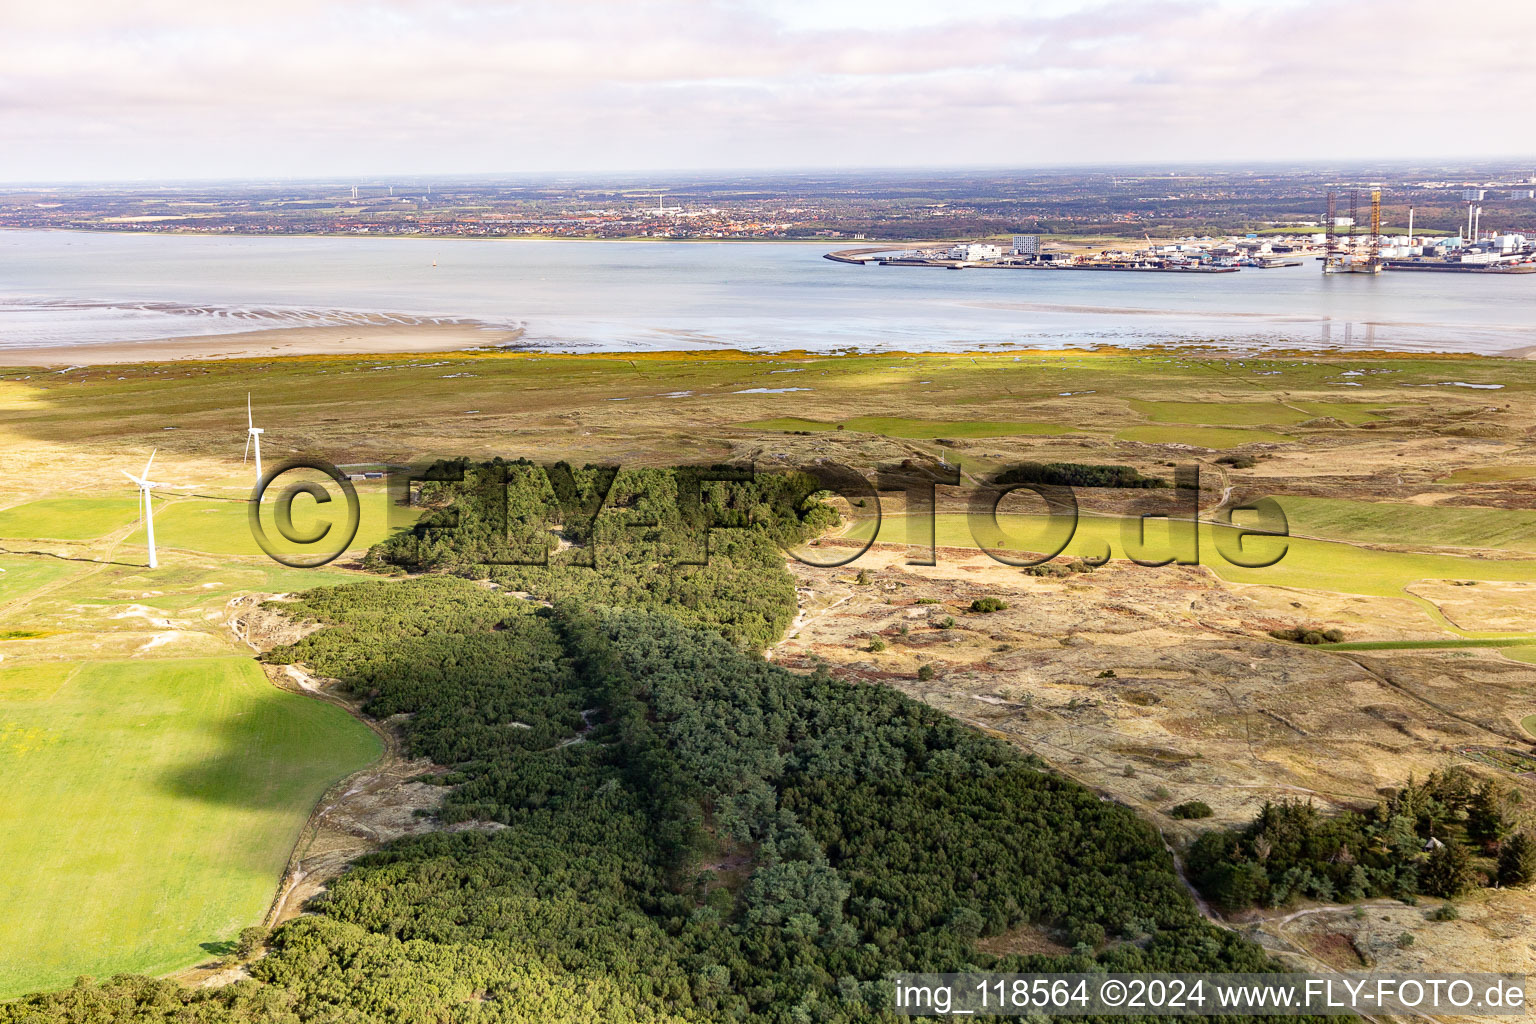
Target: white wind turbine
146	509
252	434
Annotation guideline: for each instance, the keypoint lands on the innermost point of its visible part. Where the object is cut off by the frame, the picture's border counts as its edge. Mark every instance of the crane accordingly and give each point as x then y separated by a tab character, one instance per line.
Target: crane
1375	225
1357	254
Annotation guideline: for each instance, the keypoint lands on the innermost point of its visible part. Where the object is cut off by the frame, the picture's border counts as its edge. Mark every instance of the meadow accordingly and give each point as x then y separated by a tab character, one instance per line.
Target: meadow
1250	414
1378	522
156	780
503	403
223	527
1313	564
150	807
68	518
899	426
1204	437
1489	474
21	575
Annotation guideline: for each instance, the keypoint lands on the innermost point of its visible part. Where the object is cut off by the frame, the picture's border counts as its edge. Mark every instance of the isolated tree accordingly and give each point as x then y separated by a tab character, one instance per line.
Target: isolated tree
1358	885
1448	871
1517	860
1236	886
1486	821
250	942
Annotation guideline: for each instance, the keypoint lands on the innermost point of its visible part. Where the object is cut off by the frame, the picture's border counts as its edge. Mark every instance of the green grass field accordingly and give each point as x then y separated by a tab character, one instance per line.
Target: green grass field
23	574
1205	437
1254	414
149	809
1376	522
1525	654
1428	645
1489	475
897	426
210	526
1319	565
223	528
68	518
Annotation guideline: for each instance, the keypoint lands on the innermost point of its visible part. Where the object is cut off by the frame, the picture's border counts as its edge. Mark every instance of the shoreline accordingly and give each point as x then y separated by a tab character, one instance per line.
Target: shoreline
269	343
461	238
1084	242
468	339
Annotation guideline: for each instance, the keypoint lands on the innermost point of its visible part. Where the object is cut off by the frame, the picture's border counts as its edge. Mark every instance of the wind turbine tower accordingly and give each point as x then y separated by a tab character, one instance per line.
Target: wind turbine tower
146	507
252	436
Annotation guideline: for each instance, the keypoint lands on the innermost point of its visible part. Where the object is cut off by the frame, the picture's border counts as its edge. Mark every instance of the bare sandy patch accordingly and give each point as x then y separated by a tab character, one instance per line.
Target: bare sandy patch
1482	606
357	340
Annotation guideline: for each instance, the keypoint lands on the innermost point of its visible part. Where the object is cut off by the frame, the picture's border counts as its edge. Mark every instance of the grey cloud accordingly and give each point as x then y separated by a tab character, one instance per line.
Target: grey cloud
416	84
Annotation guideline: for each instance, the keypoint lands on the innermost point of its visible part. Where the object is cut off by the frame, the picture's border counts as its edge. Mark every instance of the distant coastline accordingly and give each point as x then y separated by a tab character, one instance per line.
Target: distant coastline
184	233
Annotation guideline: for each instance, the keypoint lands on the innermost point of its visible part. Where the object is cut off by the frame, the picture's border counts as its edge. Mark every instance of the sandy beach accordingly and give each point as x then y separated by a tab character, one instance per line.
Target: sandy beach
368	339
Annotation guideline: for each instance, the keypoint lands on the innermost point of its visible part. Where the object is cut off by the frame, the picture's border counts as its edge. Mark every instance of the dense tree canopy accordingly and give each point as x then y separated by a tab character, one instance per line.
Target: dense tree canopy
1438	837
701	542
1078	474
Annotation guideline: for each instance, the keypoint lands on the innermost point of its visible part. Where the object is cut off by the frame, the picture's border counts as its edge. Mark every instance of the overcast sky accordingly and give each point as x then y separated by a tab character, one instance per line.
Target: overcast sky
102	89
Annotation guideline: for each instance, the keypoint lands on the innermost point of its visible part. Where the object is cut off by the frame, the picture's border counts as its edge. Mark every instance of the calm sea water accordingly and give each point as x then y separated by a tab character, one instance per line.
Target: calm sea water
72	288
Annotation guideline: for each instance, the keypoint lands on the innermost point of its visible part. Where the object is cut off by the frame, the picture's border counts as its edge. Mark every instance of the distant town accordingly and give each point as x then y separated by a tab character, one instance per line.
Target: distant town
1269	203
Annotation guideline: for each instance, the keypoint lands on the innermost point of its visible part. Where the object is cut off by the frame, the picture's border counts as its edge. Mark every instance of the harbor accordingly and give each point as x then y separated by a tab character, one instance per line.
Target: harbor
1341	246
1187	257
1339	254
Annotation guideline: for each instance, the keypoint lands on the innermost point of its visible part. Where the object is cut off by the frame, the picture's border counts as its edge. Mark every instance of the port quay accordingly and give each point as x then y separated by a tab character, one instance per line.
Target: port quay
1485	254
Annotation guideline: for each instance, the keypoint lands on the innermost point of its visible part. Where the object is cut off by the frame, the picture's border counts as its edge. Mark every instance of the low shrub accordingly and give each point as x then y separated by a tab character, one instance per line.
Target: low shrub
1190	810
1309	635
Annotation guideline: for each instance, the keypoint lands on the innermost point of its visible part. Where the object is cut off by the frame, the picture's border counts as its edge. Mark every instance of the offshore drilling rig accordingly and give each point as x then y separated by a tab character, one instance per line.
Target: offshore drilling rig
1354	253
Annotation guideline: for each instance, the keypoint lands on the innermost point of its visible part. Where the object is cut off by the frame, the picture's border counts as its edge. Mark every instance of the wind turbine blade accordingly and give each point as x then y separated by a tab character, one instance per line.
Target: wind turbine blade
150	462
135	479
247	454
249	422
